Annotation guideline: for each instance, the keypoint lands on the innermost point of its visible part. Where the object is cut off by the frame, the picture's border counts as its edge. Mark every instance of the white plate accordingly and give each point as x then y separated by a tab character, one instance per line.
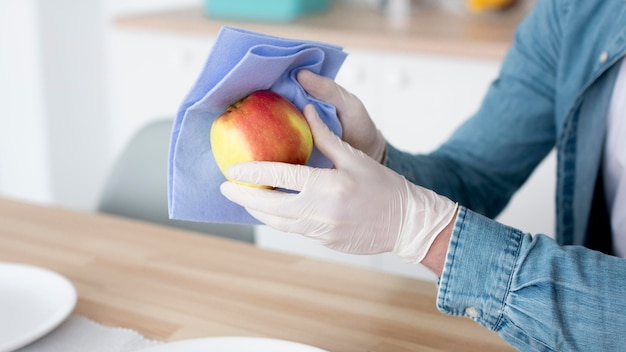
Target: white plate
33	301
233	344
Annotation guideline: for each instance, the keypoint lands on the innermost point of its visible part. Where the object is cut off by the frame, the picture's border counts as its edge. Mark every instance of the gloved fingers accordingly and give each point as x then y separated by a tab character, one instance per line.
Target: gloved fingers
273	174
269	200
285	224
358	129
324	89
307	227
335	149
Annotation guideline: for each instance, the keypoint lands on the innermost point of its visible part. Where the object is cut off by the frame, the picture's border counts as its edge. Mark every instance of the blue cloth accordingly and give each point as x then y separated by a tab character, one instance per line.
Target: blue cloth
553	92
239	63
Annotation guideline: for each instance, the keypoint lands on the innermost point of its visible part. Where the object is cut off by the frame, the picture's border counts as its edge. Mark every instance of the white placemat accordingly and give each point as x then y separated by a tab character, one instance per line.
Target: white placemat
79	334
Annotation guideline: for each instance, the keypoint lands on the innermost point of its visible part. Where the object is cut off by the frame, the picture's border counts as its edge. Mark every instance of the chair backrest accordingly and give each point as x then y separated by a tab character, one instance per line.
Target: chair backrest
137	185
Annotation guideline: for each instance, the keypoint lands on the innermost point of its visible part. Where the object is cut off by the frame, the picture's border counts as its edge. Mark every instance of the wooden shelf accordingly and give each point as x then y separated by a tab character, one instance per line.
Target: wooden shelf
429	30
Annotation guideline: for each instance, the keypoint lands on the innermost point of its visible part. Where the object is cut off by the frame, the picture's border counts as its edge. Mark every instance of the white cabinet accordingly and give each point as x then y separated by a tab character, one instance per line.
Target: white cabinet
416	100
151	72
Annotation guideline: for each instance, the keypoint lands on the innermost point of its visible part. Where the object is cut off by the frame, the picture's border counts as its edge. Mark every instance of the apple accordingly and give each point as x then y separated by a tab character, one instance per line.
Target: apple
263	126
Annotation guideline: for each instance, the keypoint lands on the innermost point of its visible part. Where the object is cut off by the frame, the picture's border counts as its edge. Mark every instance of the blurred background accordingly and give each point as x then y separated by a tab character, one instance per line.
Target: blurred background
78	78
58	136
60	71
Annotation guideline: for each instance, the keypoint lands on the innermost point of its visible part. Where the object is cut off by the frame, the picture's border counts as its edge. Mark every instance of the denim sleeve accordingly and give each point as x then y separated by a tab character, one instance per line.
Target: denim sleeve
537	295
492	154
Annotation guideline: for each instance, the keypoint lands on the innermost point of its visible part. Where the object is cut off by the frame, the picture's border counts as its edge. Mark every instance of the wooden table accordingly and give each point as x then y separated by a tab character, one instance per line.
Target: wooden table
170	284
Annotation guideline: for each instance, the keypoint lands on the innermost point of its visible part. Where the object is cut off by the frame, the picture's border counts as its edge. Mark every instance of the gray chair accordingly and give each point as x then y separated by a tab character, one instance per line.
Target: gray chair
137	185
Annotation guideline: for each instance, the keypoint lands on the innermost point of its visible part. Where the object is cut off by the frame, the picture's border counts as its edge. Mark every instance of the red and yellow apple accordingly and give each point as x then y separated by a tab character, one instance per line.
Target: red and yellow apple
264	126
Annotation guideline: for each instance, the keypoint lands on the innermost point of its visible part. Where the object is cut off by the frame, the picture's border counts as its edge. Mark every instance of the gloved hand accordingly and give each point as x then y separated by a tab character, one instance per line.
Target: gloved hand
359	207
358	128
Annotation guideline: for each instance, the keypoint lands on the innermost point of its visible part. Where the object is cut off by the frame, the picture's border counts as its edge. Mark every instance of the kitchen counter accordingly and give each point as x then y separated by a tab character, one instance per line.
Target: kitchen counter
169	284
429	30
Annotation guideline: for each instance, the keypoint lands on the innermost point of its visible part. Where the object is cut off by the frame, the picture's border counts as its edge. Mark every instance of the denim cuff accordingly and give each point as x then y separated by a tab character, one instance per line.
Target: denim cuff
478	270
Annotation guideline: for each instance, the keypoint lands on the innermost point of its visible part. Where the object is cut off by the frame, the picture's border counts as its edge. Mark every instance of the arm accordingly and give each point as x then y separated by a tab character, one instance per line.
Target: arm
436	255
534	293
537	295
492	154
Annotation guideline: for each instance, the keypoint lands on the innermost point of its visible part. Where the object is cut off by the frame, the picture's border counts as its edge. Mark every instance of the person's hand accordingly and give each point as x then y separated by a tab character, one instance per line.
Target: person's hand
358	128
359	207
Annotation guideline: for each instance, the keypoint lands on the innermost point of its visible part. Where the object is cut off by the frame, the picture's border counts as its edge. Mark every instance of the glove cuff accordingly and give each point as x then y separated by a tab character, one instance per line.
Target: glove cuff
379	148
426	216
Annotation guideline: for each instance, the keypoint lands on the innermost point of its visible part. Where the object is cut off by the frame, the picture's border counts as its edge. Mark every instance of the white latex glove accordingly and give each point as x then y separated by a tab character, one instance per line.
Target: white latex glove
358	207
358	128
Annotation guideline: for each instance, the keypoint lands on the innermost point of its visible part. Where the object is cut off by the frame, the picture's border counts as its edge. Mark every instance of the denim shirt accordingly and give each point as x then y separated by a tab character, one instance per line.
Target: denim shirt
553	91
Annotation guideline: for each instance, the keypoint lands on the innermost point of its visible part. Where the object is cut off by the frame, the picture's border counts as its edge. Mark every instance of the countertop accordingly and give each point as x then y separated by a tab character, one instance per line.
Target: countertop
427	30
170	284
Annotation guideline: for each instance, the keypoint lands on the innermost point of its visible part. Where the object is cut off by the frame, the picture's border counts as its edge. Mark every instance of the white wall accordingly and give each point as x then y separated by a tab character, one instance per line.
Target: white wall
24	166
74	83
55	138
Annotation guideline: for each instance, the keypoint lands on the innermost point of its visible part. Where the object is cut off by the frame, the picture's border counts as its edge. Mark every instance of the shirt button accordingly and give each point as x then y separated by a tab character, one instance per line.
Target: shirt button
471	312
603	57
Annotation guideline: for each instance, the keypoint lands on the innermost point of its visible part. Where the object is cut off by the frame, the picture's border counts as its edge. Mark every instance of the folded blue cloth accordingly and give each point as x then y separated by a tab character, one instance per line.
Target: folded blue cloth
239	63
